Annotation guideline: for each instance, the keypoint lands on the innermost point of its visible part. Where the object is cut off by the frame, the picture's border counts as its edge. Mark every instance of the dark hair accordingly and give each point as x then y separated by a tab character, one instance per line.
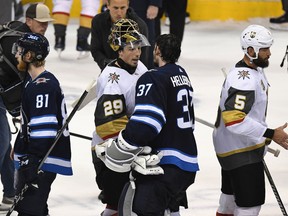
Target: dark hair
170	47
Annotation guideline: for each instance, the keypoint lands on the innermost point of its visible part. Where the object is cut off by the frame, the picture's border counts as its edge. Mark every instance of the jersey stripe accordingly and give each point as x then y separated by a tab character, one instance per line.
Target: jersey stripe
148	120
150	108
45	119
184	161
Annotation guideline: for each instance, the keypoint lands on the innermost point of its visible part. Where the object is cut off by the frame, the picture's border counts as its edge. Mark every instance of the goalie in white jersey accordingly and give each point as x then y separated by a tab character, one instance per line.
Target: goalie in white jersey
241	133
115	102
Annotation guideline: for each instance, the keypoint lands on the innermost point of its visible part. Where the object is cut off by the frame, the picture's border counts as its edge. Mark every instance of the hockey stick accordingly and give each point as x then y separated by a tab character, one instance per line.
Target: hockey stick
59	133
282	63
275	152
80	136
91	95
274	189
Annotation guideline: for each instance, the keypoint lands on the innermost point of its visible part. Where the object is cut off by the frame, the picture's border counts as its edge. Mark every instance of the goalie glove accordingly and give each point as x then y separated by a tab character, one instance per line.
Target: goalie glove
118	155
147	164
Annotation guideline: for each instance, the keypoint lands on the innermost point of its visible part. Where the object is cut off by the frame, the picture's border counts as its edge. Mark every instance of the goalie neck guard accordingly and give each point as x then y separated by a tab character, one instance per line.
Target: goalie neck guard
126	32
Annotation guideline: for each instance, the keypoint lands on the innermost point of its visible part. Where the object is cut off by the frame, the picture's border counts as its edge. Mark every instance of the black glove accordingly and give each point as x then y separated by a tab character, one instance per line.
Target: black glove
29	169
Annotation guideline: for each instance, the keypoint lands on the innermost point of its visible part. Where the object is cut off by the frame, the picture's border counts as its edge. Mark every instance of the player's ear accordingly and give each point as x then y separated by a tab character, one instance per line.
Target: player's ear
251	51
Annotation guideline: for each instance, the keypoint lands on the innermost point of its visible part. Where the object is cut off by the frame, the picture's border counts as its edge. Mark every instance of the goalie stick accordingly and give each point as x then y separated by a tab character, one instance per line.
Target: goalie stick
59	133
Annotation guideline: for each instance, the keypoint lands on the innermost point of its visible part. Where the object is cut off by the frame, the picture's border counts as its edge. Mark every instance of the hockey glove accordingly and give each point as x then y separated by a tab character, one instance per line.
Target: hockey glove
29	169
118	155
147	164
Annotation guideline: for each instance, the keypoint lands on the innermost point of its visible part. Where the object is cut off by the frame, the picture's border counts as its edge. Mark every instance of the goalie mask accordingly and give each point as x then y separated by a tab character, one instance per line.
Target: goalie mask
35	43
126	32
257	37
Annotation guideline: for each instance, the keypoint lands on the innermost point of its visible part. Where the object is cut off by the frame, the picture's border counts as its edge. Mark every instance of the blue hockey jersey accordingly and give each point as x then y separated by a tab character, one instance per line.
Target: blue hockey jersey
163	117
43	114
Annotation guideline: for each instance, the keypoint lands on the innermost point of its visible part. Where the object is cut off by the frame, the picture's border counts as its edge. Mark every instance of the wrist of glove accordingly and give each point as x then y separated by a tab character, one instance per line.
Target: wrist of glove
29	169
147	164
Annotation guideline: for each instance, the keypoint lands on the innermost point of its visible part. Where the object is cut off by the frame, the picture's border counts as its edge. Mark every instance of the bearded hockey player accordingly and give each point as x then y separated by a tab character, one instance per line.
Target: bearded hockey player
241	132
42	115
115	102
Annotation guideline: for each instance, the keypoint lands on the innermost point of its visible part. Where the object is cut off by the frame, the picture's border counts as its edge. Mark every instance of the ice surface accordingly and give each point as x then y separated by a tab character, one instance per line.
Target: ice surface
207	47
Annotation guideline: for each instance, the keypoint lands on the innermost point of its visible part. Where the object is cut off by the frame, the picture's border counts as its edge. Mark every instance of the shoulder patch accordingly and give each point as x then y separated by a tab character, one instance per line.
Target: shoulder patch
41	80
113	77
243	74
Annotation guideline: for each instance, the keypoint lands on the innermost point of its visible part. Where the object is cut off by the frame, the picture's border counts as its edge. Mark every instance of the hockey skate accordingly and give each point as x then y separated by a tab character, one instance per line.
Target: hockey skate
83	47
59	44
279	23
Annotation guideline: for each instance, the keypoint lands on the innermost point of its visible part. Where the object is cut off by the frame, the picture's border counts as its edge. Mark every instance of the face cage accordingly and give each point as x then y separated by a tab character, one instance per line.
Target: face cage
141	42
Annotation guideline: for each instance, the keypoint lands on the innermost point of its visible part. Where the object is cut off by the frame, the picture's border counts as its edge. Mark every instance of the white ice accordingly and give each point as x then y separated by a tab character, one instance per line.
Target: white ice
207	47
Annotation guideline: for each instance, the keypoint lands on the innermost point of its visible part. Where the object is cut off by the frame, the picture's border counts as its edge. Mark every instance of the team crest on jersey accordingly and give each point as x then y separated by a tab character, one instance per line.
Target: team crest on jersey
113	77
243	74
41	80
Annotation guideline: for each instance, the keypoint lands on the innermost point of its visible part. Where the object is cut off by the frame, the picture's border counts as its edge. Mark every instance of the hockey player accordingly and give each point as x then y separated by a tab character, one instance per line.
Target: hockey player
241	133
61	13
101	28
43	113
37	18
115	102
162	120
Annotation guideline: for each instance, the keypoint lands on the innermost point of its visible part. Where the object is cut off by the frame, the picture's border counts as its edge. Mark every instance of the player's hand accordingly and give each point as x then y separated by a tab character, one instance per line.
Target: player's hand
147	164
281	137
29	169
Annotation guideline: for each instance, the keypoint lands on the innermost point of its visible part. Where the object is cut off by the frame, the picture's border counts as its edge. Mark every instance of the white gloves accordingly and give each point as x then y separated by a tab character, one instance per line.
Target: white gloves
120	156
147	164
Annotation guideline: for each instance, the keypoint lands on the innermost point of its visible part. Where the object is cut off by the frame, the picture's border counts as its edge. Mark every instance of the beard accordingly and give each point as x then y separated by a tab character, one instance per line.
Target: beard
261	62
22	66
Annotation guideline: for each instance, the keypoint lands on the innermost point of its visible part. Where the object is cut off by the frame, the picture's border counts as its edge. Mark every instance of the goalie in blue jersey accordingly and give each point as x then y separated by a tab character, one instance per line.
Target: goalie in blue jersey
158	143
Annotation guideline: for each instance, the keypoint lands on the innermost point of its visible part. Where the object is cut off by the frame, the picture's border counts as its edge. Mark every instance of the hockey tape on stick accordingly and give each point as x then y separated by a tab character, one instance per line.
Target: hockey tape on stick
91	95
275	152
59	133
274	189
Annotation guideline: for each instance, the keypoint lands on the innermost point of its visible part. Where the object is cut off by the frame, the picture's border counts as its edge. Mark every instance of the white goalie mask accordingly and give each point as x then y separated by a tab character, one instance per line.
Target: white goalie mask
257	37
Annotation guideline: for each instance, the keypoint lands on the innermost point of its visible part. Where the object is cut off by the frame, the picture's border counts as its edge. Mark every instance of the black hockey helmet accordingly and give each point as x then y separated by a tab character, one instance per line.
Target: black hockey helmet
34	42
126	32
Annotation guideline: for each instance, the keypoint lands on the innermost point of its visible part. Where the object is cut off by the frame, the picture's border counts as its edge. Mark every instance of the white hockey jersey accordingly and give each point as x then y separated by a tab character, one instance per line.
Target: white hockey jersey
115	101
240	126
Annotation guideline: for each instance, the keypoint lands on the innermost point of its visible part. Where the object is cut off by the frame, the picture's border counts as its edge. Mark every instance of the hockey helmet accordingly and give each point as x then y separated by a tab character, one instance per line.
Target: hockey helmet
33	42
257	37
126	32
